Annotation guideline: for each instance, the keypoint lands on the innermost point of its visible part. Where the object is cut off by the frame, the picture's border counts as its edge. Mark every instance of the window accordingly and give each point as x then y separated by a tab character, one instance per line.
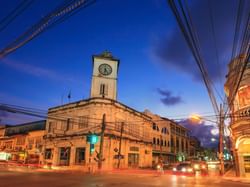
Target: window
48	154
158	141
20	141
38	142
177	144
68	124
154	140
64	153
164	131
161	142
133	130
134	148
51	126
8	144
103	89
182	145
172	142
118	124
247	163
165	143
154	126
80	155
31	141
83	122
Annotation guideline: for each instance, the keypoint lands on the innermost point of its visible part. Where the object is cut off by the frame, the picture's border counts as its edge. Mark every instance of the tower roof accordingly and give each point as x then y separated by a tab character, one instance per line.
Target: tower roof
106	55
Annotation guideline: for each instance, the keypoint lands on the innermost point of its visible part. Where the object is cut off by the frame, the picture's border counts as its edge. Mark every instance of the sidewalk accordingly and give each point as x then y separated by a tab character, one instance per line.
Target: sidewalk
230	175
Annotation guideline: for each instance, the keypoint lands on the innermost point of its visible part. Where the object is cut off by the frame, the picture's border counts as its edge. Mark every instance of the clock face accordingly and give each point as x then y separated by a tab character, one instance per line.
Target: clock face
105	69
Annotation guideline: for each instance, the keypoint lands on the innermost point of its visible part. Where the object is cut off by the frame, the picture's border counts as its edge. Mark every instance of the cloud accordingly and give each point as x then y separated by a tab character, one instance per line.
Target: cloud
168	99
37	71
171	49
202	132
3	114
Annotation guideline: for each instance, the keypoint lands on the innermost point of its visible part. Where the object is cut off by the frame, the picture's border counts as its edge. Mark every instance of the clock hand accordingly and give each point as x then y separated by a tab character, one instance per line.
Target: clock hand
105	70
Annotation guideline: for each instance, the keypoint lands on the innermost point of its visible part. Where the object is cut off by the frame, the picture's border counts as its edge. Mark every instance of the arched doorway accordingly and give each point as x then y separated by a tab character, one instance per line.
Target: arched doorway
243	147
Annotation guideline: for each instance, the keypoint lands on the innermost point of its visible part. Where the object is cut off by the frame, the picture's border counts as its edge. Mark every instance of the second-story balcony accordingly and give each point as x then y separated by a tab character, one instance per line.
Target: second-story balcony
241	115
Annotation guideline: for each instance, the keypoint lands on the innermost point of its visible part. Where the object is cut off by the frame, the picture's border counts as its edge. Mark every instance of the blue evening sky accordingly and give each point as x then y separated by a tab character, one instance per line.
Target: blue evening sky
43	71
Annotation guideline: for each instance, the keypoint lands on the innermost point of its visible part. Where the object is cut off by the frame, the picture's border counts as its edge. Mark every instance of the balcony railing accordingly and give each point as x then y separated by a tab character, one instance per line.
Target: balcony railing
241	115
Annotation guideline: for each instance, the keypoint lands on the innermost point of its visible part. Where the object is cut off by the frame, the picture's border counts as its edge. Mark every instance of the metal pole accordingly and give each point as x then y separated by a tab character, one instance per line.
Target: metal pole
221	134
120	145
101	141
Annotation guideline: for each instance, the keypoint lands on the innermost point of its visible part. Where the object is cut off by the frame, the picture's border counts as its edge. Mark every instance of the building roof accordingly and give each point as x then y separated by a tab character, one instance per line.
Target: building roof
107	56
98	100
176	123
25	128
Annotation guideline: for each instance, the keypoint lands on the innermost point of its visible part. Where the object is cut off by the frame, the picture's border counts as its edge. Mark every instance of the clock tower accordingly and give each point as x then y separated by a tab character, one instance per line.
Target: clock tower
104	77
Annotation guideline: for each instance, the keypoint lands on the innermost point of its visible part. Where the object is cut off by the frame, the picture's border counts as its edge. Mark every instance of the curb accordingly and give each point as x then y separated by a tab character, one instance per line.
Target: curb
237	180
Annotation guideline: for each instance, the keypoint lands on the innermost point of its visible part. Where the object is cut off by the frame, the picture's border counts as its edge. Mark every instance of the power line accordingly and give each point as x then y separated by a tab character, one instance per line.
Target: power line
76	119
48	21
191	37
215	45
14	14
237	27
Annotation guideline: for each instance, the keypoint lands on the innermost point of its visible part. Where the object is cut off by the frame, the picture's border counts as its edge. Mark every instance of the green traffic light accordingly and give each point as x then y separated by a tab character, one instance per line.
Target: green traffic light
94	139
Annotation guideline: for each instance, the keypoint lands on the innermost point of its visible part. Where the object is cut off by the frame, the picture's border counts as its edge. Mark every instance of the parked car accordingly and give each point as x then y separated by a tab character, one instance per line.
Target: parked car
183	168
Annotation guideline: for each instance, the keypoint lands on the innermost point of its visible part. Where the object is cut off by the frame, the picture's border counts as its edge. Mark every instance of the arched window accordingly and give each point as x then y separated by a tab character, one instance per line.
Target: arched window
158	141
154	141
165	143
154	126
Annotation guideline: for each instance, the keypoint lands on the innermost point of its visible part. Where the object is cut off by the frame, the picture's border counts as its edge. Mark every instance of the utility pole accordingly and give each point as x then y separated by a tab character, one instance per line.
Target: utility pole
101	141
221	135
120	145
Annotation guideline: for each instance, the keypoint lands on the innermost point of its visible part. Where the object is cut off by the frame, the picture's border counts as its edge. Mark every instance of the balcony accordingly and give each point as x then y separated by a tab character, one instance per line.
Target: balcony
241	115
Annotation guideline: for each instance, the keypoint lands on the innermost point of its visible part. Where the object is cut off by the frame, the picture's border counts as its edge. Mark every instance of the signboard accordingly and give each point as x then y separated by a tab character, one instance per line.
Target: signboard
4	156
117	156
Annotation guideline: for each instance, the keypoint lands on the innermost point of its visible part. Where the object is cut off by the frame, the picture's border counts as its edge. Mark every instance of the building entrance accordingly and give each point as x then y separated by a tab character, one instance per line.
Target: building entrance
133	160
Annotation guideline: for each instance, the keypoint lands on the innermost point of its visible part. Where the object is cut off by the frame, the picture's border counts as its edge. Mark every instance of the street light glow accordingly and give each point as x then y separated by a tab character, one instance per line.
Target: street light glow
195	118
214	131
213	139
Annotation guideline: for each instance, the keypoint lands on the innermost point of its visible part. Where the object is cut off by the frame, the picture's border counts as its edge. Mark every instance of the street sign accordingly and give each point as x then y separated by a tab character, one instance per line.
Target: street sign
117	156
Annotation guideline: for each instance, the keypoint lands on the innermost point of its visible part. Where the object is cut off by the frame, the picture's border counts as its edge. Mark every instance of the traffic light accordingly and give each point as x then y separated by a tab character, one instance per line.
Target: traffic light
92	139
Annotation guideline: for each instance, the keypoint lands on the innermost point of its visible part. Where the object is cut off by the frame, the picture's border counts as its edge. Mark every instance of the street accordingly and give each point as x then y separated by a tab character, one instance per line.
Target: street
47	179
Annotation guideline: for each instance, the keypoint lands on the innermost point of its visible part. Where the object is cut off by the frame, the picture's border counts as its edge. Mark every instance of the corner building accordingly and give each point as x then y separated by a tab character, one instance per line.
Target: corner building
240	112
125	129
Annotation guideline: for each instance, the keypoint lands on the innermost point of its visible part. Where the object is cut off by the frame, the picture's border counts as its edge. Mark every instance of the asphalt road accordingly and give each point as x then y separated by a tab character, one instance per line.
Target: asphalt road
45	179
